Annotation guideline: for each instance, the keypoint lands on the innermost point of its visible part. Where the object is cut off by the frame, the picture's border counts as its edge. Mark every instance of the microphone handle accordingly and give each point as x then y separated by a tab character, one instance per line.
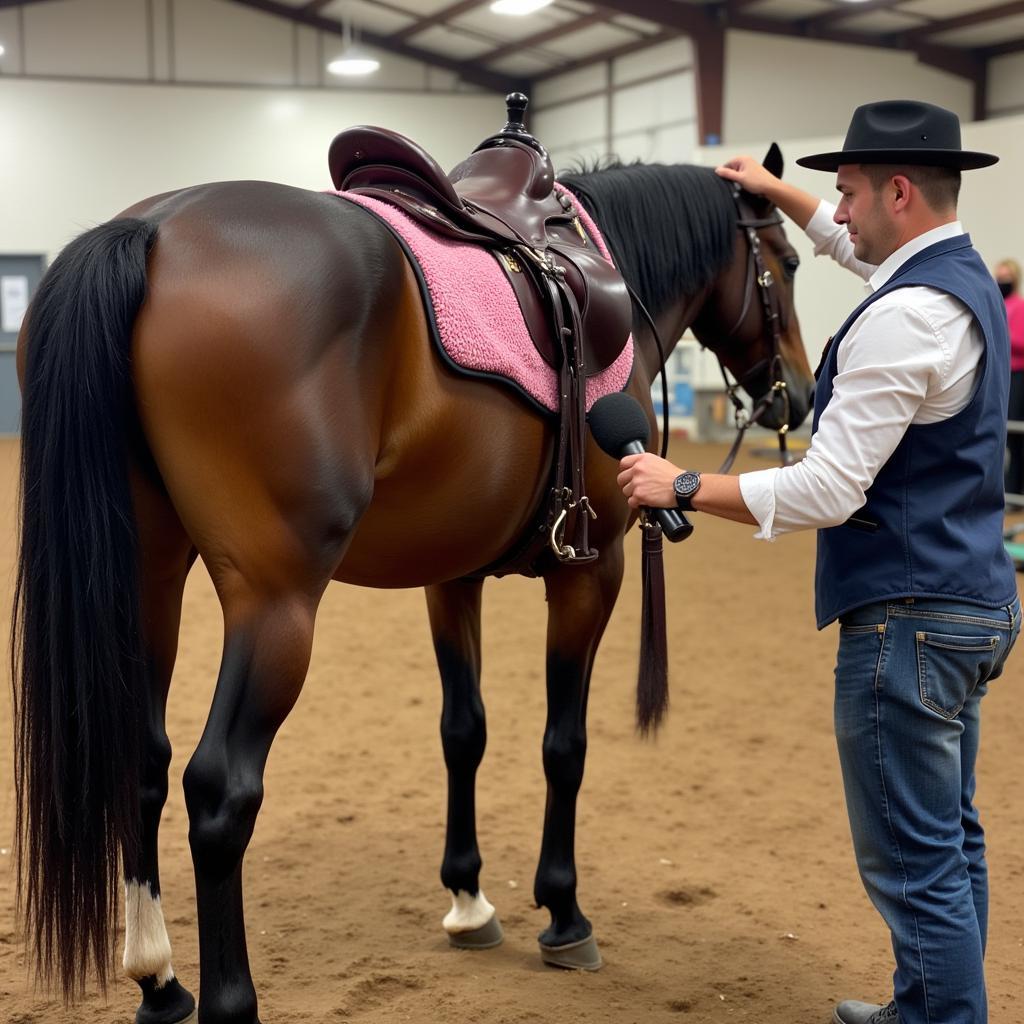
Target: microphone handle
675	525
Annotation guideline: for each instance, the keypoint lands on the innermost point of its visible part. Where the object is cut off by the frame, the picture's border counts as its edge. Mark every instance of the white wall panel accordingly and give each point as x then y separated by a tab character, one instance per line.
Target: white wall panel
667	144
571	127
106	38
820	85
133	141
670	56
162	39
208	44
665	100
10	39
573	83
1006	84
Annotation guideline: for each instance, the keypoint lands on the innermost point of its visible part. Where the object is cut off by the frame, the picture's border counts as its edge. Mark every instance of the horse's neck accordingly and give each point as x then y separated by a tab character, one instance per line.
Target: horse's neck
671	324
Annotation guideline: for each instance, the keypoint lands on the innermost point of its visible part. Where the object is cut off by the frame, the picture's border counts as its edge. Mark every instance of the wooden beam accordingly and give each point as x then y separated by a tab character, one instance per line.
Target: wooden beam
846	11
466	70
539	38
1001	49
437	18
964	20
709	55
686	18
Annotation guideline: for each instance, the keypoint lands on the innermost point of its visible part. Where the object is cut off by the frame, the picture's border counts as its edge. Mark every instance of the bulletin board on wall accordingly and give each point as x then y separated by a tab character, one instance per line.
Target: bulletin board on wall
19	278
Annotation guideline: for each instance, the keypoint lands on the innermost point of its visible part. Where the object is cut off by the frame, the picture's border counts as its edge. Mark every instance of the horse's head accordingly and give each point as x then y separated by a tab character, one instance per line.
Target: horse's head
749	321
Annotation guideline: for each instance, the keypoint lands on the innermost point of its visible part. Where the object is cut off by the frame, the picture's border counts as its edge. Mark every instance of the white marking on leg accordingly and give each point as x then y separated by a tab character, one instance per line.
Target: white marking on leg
468	912
147	949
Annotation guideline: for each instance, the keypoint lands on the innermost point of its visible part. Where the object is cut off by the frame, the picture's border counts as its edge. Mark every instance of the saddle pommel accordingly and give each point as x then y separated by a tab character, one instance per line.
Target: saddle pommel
516	104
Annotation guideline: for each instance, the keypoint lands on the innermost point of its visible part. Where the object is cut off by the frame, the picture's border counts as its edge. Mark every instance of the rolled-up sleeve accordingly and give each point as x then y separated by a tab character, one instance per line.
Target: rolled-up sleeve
833	240
885	367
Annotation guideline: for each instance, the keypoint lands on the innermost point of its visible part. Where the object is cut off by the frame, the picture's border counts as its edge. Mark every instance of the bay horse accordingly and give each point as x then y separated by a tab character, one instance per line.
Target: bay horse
242	372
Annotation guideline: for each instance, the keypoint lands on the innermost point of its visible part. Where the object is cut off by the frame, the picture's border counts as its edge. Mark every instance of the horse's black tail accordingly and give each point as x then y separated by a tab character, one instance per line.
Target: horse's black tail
77	656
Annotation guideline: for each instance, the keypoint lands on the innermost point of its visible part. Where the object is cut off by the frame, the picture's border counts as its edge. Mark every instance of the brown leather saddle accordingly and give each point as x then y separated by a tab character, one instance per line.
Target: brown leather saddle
501	196
575	303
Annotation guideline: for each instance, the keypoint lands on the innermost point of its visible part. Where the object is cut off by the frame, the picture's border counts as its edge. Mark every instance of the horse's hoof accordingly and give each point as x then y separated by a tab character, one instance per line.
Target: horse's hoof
171	1004
573	956
487	936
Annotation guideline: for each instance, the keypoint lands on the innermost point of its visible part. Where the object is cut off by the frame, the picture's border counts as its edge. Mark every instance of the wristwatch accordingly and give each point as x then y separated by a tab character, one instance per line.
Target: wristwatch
686	485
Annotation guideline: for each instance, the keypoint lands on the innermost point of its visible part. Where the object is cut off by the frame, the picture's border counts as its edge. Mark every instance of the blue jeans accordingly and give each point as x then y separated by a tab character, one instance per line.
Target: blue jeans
909	681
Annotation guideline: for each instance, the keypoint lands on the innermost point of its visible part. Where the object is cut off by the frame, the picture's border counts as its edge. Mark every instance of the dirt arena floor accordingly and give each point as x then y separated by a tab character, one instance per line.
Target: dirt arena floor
714	863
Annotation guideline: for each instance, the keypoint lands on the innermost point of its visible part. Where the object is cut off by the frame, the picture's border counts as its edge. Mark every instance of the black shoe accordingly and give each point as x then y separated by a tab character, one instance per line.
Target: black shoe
853	1012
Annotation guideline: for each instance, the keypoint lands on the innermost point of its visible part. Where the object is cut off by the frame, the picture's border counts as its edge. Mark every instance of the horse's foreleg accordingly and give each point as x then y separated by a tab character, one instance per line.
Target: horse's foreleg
454	610
268	638
166	555
580	601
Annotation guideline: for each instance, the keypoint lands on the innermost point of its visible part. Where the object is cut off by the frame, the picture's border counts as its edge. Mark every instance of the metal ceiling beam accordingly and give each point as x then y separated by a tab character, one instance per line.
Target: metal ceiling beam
539	38
964	20
19	3
466	70
1001	49
709	56
437	18
847	11
686	18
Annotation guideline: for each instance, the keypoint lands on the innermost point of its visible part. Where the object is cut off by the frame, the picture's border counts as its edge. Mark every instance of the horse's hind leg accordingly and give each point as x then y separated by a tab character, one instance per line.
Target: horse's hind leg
580	602
268	638
166	555
454	609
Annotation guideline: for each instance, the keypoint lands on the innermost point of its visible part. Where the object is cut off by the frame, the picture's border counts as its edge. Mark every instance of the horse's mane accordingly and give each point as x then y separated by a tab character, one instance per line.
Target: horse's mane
670	227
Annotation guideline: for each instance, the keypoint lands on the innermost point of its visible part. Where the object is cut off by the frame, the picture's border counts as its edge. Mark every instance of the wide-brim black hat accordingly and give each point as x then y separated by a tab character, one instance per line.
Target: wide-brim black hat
901	132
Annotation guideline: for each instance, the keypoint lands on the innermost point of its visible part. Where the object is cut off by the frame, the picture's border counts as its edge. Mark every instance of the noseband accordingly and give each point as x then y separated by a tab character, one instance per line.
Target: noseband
770	305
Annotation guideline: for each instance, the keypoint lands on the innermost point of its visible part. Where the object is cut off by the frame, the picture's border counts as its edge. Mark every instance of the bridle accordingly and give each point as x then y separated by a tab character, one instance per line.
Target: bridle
757	273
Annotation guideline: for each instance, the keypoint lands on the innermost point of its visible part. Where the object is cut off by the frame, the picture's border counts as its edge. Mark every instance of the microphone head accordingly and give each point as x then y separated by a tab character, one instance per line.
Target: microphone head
617	419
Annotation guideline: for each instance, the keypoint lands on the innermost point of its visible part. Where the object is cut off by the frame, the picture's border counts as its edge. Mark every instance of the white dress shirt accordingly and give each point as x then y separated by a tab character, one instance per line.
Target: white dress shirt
908	358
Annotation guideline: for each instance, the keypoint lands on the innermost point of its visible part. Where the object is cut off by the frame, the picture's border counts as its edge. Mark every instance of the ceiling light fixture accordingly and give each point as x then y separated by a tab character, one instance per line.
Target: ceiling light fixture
518	8
353	61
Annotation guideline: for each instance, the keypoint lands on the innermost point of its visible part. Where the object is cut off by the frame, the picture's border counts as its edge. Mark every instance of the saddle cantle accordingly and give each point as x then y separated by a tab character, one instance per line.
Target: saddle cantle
577	308
503	197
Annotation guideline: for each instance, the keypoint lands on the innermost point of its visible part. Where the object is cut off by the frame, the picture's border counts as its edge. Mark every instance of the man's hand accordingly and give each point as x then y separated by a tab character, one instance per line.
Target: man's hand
793	202
749	173
647	480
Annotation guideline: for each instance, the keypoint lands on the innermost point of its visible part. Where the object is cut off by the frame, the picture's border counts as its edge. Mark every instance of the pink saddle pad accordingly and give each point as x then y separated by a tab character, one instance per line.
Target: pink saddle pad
479	323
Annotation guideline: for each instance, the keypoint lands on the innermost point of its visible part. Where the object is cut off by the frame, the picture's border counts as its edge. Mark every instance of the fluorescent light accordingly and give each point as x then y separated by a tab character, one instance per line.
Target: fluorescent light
518	7
353	62
1	49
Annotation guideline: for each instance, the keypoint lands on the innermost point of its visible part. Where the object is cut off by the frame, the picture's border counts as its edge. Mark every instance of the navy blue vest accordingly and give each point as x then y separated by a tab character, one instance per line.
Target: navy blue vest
938	501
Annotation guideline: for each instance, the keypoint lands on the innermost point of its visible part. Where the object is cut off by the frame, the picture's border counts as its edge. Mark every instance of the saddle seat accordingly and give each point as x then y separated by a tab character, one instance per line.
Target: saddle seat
503	197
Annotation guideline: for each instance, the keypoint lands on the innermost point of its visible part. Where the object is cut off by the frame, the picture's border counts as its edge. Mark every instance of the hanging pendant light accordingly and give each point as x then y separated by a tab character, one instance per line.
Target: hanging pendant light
354	60
518	8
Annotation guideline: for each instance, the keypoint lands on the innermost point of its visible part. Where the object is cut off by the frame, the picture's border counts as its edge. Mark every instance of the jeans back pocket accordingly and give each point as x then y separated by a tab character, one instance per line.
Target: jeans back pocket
950	668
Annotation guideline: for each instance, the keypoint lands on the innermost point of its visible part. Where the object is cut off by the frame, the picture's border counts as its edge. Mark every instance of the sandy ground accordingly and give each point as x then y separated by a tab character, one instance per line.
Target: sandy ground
715	863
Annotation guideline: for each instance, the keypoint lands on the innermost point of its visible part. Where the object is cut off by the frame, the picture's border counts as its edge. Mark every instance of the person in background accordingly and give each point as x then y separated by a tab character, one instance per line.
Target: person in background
1007	275
904	482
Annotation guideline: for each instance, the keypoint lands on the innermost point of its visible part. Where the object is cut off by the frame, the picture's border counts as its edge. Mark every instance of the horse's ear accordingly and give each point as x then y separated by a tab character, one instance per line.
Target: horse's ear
773	161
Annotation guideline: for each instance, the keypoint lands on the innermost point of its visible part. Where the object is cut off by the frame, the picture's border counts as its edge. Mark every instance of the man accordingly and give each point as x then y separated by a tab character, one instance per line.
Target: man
903	480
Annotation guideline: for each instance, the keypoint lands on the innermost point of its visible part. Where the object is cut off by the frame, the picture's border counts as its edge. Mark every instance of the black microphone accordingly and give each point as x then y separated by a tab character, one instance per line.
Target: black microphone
619	425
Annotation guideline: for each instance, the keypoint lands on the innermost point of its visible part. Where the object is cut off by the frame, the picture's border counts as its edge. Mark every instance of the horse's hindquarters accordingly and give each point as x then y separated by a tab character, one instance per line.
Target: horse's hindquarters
461	470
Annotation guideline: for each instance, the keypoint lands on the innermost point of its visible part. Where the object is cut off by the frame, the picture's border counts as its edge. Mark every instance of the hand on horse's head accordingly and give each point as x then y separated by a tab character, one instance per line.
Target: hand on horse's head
748	172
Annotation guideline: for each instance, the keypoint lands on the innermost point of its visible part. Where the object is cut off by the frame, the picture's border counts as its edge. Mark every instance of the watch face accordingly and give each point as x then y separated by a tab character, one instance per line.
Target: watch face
686	484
